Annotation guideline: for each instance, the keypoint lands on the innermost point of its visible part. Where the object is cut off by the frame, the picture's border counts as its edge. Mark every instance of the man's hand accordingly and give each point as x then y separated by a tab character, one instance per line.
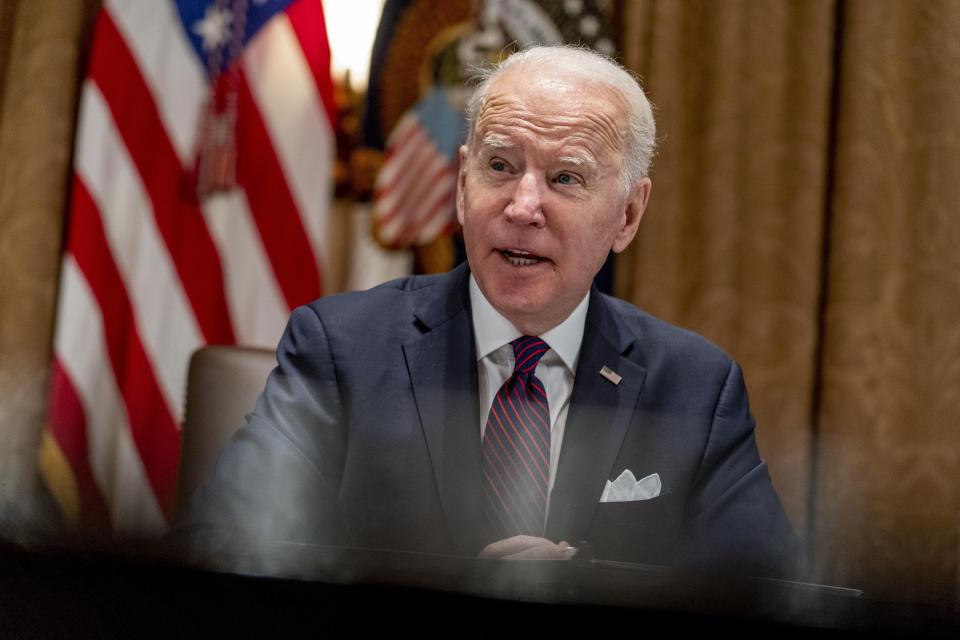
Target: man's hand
530	548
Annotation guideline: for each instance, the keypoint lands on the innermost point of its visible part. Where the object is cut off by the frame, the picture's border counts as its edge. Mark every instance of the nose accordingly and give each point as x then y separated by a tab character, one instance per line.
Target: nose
526	205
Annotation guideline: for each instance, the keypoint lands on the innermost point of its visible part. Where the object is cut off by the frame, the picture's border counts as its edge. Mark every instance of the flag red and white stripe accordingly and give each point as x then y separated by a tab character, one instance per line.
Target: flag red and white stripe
415	194
150	273
416	189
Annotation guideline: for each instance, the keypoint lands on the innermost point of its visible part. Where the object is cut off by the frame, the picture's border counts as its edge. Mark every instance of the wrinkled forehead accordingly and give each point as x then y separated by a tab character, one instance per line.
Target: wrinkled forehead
553	106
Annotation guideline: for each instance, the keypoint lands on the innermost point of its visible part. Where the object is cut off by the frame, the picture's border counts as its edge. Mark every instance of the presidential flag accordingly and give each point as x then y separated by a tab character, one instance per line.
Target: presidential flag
200	196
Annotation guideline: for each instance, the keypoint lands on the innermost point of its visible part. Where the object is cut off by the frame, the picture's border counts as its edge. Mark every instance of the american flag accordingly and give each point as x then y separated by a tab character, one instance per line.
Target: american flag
151	270
416	189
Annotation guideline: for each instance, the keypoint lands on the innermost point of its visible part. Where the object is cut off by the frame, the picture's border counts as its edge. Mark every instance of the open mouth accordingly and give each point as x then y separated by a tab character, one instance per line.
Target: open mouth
520	258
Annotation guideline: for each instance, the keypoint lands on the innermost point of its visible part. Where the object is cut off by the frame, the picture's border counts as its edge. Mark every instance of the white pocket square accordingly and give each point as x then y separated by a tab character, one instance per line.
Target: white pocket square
626	488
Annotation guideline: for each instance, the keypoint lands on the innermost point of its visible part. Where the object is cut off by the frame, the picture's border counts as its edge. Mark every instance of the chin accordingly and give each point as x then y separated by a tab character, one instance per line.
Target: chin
514	302
520	309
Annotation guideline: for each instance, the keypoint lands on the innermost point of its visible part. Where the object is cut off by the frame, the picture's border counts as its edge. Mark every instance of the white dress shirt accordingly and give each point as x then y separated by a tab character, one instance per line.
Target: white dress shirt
494	333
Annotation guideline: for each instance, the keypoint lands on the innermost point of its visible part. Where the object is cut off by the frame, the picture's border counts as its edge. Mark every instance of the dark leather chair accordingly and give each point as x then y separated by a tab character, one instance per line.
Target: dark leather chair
222	386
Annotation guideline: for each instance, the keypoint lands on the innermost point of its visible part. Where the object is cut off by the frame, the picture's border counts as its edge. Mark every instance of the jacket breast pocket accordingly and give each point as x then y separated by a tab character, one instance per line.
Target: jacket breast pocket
644	531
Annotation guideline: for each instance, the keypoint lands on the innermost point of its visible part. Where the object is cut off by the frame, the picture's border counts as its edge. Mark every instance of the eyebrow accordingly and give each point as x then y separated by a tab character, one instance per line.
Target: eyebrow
497	141
578	161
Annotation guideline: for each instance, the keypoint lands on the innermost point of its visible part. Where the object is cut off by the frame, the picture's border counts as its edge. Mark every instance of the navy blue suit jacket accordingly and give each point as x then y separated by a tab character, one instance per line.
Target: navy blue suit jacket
367	434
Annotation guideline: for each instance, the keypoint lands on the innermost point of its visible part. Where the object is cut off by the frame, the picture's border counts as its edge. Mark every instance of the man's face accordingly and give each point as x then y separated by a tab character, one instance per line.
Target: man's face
539	197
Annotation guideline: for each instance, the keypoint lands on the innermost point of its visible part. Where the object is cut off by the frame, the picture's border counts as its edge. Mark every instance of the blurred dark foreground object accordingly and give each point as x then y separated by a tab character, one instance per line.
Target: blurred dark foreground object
84	593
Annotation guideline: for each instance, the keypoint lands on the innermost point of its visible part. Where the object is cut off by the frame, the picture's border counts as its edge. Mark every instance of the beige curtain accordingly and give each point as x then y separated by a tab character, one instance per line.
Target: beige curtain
888	454
806	216
41	48
731	244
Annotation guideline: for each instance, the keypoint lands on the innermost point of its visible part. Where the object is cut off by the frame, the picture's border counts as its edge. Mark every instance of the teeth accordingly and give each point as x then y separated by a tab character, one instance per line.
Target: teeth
517	259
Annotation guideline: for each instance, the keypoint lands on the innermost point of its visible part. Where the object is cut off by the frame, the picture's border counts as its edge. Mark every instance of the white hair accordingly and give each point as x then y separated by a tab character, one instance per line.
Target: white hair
590	66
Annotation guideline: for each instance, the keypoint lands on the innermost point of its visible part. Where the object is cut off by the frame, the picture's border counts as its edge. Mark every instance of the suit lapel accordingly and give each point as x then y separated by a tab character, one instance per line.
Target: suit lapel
599	415
442	365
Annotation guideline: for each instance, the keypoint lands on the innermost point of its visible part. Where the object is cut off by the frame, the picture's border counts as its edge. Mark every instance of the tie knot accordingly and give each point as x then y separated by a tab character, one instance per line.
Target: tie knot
527	351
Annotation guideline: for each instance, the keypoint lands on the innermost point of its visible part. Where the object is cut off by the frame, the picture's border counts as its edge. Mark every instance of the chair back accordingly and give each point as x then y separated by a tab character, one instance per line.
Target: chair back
223	384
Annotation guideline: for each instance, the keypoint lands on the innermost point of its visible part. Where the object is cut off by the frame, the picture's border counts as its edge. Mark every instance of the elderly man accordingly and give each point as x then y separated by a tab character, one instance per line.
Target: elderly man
507	408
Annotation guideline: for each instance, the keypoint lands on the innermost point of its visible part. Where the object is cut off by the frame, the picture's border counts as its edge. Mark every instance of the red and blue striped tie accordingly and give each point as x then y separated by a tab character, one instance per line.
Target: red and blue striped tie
516	448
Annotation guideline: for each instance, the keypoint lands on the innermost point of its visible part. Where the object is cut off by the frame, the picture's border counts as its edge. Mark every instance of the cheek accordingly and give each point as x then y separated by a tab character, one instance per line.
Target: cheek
605	226
589	245
482	208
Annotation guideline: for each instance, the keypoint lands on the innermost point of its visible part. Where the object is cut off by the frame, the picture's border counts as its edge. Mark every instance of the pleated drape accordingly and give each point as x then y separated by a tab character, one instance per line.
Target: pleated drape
42	44
887	492
731	245
806	216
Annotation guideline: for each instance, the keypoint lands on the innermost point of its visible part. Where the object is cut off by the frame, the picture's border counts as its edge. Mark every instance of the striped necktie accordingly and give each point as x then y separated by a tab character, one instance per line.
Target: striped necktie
516	448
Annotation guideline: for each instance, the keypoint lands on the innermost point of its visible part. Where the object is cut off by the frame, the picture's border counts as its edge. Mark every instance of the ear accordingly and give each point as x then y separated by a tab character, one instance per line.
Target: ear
635	206
461	180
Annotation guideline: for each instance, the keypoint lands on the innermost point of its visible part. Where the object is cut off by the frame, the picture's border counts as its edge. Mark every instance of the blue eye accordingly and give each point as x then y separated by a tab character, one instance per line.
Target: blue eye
498	165
564	178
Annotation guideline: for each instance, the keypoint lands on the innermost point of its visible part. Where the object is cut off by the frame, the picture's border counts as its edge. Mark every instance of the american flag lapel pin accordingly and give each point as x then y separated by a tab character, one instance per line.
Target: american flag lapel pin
611	375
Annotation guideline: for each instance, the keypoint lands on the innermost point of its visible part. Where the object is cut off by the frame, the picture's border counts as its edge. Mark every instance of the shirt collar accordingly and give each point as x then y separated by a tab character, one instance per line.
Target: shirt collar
492	330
